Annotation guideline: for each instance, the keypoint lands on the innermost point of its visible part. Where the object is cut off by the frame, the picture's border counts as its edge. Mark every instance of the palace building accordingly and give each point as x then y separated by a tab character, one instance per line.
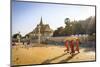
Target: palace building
42	30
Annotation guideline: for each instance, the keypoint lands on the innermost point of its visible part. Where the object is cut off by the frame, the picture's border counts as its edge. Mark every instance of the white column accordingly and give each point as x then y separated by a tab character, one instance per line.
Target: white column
18	37
39	34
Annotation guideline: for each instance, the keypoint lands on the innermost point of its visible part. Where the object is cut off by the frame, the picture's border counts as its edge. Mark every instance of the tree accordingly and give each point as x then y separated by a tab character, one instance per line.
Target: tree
16	35
91	26
68	27
87	26
67	20
59	32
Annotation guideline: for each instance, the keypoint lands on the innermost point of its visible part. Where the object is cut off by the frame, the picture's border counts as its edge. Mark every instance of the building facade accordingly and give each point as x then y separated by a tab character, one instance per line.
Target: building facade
42	30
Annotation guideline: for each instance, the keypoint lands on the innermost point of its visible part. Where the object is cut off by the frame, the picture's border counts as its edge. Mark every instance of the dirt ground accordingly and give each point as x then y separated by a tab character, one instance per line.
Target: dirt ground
23	55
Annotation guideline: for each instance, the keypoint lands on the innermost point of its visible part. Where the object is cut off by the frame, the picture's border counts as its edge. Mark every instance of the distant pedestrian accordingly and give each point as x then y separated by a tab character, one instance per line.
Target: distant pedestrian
13	44
28	43
23	42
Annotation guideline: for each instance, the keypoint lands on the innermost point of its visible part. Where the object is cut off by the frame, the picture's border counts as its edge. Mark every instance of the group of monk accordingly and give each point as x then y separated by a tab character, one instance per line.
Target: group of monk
72	46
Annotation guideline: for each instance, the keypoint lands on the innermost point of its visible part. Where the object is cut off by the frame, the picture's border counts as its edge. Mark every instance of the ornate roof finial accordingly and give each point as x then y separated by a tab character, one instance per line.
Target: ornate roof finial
41	23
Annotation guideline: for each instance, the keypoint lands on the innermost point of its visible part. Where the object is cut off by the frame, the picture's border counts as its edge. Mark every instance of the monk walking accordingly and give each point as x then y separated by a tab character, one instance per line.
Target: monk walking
72	47
77	45
66	44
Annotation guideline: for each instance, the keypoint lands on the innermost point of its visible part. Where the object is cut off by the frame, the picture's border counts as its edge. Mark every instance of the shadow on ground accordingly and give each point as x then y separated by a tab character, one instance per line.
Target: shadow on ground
68	58
55	58
50	60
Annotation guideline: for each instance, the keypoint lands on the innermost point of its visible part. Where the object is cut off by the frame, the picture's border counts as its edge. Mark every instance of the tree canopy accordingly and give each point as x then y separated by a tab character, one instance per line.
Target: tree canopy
87	26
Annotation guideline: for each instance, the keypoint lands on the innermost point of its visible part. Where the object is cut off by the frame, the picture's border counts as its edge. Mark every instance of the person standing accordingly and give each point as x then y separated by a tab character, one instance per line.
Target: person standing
23	42
28	43
13	44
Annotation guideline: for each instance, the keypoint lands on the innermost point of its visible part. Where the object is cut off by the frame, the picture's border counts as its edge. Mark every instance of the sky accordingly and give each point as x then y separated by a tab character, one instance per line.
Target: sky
26	15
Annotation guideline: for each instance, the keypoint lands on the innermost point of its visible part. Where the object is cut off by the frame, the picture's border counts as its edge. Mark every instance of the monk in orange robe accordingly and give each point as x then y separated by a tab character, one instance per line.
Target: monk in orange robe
72	47
66	44
77	45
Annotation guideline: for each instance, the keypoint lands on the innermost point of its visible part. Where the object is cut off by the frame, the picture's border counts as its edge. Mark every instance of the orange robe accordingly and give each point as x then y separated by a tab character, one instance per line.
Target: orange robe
66	44
72	46
77	45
